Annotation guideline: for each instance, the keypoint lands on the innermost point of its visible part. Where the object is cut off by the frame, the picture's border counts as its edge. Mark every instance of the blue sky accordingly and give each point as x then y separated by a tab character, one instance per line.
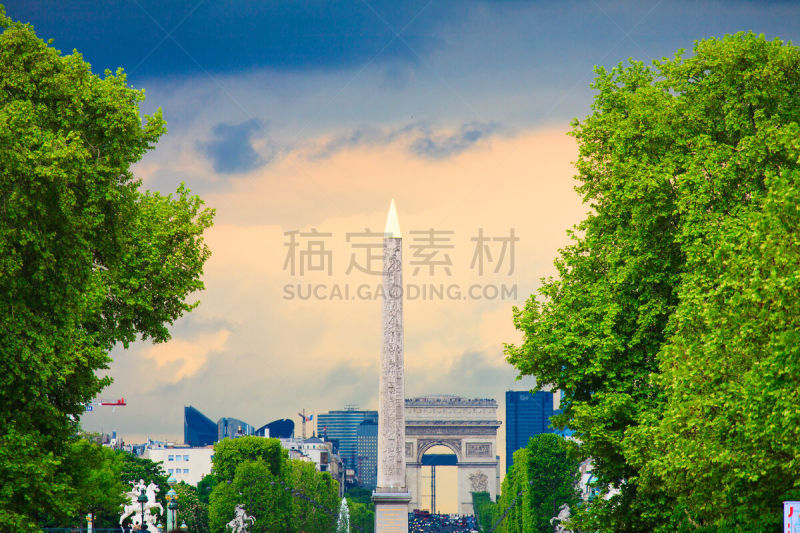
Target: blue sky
297	115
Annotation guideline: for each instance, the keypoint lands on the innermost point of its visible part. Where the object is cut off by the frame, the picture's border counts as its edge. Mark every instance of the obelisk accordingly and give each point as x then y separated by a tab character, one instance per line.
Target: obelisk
391	496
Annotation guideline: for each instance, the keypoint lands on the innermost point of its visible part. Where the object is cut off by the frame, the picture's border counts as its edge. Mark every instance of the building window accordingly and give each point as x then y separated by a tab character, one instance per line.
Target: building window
171	458
171	471
185	457
185	470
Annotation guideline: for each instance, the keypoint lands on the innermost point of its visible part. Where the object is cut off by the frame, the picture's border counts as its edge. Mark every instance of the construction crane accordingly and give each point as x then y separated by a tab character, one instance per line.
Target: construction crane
108	403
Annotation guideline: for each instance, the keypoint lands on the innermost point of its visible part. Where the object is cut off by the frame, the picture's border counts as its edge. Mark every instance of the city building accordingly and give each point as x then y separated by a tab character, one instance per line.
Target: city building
319	452
277	429
343	426
367	450
230	428
527	414
199	430
186	463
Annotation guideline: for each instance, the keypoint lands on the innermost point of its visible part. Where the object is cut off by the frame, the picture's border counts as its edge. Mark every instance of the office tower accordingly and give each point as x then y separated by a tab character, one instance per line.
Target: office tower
527	414
198	429
343	427
367	449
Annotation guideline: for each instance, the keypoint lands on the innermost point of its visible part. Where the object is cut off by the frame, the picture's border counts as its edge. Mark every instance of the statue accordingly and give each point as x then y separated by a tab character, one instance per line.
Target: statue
558	521
241	521
134	508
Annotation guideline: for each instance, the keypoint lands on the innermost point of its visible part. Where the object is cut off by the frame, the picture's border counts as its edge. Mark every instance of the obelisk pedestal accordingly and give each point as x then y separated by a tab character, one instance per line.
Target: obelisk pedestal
391	496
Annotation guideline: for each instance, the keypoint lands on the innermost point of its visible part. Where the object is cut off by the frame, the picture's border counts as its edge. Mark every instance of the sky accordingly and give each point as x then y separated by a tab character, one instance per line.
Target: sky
300	121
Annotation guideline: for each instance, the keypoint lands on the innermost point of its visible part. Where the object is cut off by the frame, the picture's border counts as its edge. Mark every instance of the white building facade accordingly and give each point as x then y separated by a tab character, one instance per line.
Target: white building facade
187	464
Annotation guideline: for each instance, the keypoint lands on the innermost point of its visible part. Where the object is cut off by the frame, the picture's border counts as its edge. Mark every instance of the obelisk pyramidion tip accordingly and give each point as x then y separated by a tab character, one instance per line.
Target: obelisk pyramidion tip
392	224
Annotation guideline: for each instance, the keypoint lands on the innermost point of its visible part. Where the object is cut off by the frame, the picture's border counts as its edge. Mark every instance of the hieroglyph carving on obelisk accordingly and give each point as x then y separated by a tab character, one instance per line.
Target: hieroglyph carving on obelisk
391	496
391	418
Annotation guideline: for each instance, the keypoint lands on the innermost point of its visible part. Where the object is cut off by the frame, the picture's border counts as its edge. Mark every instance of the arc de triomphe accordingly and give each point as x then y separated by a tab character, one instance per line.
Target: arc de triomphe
469	428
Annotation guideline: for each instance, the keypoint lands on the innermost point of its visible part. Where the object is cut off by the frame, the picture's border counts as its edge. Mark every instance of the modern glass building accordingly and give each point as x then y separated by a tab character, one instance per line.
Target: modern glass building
343	426
198	429
527	414
228	427
367	458
278	429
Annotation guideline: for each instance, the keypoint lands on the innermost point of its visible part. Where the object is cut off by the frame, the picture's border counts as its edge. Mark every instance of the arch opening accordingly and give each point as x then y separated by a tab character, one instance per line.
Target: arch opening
439	472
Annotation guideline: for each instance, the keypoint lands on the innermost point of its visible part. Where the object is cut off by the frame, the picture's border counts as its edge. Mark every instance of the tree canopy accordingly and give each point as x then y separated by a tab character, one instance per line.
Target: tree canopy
282	494
97	486
542	479
671	325
87	259
191	509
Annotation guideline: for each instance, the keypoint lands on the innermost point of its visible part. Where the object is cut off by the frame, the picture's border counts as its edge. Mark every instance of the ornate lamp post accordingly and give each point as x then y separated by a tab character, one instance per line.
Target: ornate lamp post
172	506
184	527
142	501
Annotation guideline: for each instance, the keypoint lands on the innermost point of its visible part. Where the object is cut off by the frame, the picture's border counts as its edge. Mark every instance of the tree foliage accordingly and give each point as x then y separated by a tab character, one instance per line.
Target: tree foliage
96	487
191	509
283	495
485	510
362	508
671	324
87	259
230	453
319	486
543	477
205	486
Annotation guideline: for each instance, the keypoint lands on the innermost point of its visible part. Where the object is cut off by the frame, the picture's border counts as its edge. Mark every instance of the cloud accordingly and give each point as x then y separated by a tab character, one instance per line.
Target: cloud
444	146
181	358
420	140
473	374
231	147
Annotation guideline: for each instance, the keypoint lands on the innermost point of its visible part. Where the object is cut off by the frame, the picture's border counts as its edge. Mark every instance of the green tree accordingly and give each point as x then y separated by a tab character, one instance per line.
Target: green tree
87	260
362	515
191	509
511	491
727	445
230	453
309	484
543	477
262	494
96	482
283	495
96	486
205	486
552	481
485	510
362	508
665	319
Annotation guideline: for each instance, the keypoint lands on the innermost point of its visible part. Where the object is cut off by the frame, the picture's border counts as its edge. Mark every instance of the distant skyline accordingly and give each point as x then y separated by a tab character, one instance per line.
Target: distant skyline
293	117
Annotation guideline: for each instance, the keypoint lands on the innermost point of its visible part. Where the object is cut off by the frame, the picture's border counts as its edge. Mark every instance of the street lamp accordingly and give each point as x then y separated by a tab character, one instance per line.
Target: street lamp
142	501
184	527
172	506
